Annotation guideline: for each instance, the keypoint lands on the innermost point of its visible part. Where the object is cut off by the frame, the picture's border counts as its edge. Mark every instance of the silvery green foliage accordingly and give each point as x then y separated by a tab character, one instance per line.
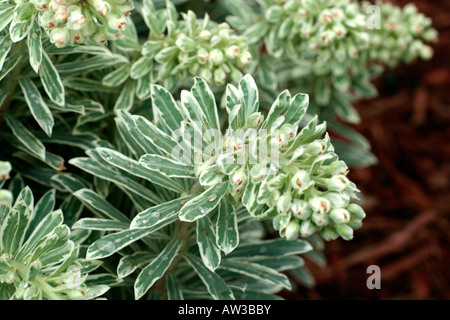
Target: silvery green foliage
66	21
38	260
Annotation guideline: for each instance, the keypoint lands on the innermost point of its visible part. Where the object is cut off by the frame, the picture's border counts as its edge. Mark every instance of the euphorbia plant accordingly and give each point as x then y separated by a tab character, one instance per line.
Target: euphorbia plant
187	151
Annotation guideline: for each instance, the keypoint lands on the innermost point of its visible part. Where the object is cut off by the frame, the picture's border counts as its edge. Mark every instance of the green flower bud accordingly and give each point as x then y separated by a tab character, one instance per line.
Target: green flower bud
204	35
232	52
338	199
101	6
355	224
219	77
244	58
239	177
320	219
328	233
338	183
356	211
216	56
301	181
47	20
258	172
284	204
300	209
61	14
345	231
255	119
307	228
99	37
337	167
314	148
60	37
319	205
202	56
292	230
116	22
5	169
6	198
76	19
339	215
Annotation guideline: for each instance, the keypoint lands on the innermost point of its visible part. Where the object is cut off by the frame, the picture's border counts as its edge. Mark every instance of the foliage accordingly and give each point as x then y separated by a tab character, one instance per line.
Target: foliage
185	143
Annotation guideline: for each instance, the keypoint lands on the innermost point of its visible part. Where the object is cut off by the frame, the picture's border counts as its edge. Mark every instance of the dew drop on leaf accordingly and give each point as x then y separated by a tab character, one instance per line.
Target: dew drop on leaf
203	209
212	197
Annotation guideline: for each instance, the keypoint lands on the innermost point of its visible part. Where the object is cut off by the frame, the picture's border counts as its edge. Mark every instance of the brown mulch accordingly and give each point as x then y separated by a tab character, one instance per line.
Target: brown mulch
407	194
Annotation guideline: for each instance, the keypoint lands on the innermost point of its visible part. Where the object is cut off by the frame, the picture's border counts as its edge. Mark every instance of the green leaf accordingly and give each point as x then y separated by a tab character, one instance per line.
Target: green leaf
6	14
10	63
5	47
206	241
168	167
282	263
250	94
227	227
52	81
19	29
203	204
270	249
90	64
256	271
256	32
215	285
91	166
156	269
100	206
43	208
125	100
34	44
137	169
117	76
38	107
108	245
26	137
128	264
45	227
156	214
164	103
100	224
205	98
173	288
156	136
141	67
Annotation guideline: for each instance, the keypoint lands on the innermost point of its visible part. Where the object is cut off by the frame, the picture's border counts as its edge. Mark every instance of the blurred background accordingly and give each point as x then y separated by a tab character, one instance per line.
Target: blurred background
407	194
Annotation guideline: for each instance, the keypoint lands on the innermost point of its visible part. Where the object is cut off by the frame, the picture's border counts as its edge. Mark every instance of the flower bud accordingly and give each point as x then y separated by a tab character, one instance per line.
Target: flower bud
47	20
216	57
284	204
320	219
337	199
184	43
339	215
244	58
219	77
319	205
204	35
338	183
314	148
5	169
328	233
355	224
232	52
301	180
202	56
258	172
239	177
337	167
99	37
307	228
345	231
116	22
100	6
325	16
76	19
292	229
60	37
356	211
300	209
61	14
6	198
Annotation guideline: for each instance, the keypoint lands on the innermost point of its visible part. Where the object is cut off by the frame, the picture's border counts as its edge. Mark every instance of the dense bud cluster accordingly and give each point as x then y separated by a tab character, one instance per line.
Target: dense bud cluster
193	48
285	173
70	22
403	35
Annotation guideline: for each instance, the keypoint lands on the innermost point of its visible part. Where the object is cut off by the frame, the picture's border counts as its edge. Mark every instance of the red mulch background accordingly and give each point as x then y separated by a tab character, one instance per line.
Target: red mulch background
407	194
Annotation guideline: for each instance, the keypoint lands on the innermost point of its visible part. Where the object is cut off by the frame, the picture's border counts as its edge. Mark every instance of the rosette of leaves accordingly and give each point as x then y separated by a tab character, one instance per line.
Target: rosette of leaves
38	259
175	51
